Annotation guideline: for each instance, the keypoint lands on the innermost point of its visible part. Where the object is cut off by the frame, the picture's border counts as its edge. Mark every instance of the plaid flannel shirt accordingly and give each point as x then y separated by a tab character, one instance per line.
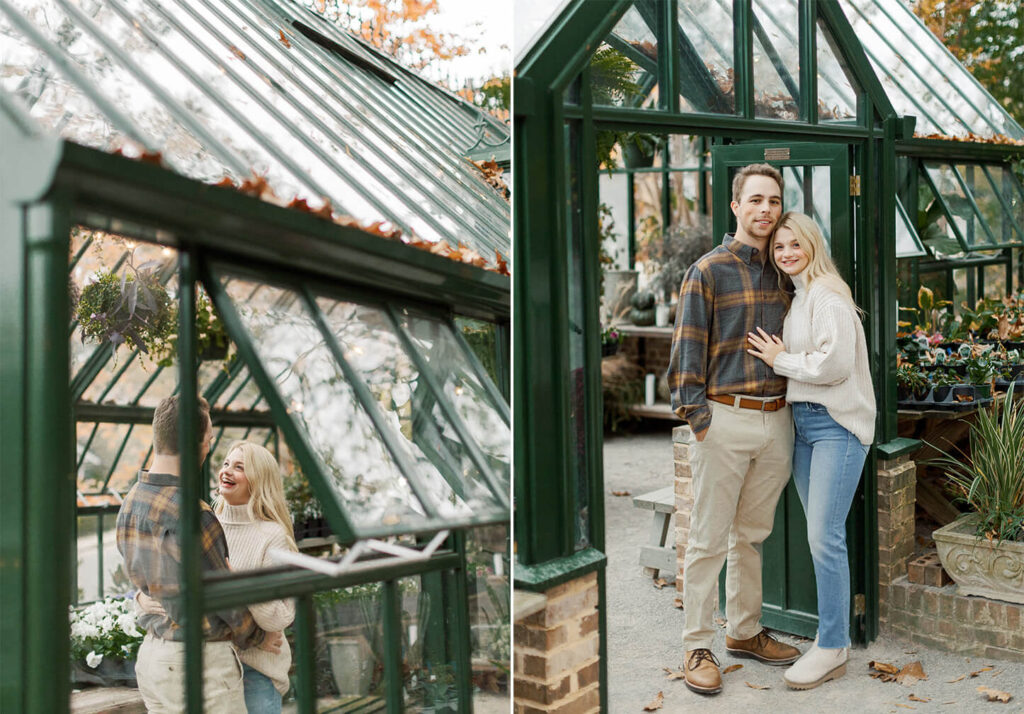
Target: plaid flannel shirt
148	538
727	293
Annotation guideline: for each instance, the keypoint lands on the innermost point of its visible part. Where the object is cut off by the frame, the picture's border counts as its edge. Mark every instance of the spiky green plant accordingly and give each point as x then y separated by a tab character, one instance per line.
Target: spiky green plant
991	479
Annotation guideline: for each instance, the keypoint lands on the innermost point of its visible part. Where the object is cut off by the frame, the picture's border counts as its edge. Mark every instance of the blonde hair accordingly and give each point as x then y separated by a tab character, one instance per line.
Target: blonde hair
266	488
820	268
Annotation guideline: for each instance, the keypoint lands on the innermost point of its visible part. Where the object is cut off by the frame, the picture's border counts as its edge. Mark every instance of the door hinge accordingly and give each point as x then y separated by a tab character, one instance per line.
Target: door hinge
855	185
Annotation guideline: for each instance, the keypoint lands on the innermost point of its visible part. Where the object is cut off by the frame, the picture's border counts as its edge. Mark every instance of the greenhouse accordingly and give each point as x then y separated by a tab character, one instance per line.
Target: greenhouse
630	119
239	202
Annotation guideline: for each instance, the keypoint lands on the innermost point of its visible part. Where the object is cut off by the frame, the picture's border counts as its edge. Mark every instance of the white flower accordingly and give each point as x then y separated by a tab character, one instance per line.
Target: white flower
93	660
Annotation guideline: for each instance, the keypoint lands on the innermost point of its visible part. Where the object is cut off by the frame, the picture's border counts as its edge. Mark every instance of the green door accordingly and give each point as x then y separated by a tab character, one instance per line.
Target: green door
817	182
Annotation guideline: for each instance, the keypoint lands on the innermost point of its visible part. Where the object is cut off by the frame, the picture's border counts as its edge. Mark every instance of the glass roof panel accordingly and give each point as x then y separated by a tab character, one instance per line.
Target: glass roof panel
776	60
624	70
993	210
706	81
920	75
933	225
837	98
233	89
908	245
961	204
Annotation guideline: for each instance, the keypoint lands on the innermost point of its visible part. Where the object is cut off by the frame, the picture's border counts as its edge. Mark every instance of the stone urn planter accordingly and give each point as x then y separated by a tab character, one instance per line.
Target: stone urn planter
978	566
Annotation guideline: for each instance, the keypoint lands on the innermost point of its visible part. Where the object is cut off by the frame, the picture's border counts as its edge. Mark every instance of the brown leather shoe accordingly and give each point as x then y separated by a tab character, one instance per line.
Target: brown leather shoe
702	675
764	647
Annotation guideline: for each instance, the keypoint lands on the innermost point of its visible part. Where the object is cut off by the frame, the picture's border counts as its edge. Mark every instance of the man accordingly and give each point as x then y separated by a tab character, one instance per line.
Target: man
149	539
741	447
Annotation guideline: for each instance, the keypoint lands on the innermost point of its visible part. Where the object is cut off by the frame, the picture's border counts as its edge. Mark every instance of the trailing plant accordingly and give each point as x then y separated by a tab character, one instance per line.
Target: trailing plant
132	308
680	247
991	479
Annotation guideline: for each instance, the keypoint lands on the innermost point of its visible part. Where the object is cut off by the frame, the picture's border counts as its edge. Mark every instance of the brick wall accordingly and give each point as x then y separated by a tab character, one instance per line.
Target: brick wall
556	652
684	500
942	619
897	496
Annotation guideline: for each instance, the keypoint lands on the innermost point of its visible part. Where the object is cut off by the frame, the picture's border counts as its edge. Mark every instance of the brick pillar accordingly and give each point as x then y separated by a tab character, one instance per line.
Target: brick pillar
556	652
684	500
897	496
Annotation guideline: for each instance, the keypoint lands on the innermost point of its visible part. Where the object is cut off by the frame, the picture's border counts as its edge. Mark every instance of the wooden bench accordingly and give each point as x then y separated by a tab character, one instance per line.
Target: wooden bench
655	555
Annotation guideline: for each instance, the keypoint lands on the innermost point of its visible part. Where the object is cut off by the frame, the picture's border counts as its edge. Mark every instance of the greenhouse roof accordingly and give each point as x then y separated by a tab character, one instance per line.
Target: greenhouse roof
238	88
919	76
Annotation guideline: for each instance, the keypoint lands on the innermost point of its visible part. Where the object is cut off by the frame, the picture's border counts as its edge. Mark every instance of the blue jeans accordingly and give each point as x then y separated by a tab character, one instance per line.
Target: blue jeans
827	463
260	695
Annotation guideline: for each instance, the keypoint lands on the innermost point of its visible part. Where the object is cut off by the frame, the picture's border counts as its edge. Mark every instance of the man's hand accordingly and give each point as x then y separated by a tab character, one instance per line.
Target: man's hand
148	605
699	435
766	347
272	642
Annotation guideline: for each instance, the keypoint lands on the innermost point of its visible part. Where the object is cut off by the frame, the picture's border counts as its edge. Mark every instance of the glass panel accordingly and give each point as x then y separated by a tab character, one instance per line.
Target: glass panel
428	669
349	648
809	190
613	213
776	60
837	99
979	182
706	81
482	338
98	557
921	77
933	225
958	203
373	349
489	615
908	245
995	281
624	70
352	454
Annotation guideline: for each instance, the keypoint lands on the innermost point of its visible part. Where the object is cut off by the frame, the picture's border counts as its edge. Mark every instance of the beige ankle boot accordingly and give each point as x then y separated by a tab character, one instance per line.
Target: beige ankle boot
816	667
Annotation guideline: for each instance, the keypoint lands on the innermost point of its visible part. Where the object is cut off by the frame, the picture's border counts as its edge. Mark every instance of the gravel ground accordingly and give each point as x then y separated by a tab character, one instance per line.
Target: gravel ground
645	629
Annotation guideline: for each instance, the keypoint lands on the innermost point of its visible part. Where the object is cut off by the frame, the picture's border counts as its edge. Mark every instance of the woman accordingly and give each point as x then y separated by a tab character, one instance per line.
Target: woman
823	353
251	508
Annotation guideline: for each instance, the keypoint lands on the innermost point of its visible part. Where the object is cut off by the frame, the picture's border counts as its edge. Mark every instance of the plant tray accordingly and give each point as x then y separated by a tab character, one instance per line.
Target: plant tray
948	401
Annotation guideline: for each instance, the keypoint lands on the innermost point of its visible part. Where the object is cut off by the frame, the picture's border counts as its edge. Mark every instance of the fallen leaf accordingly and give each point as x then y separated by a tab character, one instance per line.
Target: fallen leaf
660	583
655	703
995	694
950	681
502	266
152	157
757	686
237	52
910	674
732	668
675	673
284	40
677	603
905	706
225	183
909	651
983	669
951	701
919	699
620	493
884	667
997	673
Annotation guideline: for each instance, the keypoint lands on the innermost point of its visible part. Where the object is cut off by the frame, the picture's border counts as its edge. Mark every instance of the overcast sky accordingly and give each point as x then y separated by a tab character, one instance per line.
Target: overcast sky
481	25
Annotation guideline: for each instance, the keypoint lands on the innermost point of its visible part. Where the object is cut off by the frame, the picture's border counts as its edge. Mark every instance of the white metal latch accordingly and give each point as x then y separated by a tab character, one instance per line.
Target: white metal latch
351	563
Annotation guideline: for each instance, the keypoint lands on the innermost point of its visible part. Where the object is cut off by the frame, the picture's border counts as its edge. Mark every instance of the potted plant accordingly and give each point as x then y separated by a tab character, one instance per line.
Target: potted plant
678	249
611	338
307	516
436	685
911	382
212	341
105	642
132	308
983	551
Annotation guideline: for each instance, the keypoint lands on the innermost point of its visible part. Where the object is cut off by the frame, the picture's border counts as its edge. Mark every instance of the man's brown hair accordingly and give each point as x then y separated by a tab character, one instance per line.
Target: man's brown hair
754	170
165	424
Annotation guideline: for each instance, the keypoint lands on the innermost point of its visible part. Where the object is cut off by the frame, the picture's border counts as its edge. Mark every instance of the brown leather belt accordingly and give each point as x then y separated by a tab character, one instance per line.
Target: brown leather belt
755	404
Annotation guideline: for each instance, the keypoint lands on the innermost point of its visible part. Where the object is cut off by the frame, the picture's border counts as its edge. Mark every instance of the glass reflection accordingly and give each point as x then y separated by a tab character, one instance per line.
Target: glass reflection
837	99
808	190
946	180
624	70
706	76
776	61
352	454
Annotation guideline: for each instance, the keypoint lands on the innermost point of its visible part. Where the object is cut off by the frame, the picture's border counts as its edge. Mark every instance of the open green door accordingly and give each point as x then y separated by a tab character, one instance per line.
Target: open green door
818	183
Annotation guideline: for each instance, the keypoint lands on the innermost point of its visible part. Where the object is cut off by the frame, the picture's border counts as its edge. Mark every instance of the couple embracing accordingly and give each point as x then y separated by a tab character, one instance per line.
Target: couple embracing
761	407
245	656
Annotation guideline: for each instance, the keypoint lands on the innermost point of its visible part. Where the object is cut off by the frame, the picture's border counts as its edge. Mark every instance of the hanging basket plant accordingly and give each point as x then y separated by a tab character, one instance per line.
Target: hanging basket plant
212	342
132	308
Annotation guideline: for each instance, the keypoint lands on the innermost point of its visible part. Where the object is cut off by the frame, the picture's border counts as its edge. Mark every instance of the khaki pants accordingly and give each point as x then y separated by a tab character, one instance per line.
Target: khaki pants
739	471
160	670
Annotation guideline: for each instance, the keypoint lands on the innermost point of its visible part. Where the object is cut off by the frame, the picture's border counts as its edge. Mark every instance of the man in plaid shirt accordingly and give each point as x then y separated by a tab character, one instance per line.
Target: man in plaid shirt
148	538
741	443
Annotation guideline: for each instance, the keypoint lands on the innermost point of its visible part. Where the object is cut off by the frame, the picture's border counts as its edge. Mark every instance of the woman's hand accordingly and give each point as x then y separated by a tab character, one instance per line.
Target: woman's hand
148	605
766	347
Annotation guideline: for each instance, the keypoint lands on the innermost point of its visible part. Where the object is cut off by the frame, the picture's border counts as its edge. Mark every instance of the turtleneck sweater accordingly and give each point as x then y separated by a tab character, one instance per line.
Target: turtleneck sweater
248	544
826	358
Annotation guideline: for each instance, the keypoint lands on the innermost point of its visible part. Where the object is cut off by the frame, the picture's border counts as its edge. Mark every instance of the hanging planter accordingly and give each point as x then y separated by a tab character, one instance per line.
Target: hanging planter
132	308
212	341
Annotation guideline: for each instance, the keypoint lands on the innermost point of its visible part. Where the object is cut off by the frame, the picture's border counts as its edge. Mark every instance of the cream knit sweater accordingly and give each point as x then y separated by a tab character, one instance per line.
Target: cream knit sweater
826	358
248	543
